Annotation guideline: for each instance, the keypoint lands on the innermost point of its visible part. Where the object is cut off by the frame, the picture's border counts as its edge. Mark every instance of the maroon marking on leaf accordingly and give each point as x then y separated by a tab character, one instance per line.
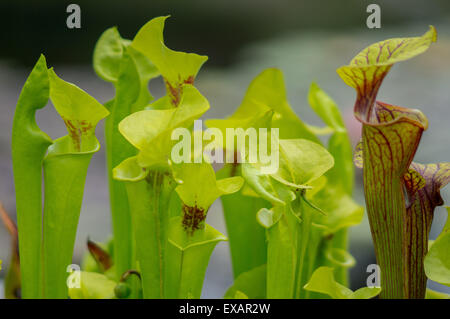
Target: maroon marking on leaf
76	129
193	218
189	80
101	256
175	92
74	133
413	182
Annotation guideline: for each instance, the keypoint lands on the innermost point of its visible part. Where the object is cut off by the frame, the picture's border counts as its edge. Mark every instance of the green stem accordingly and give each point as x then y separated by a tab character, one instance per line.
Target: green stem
304	254
281	256
117	149
248	245
247	238
29	145
308	244
340	241
149	201
64	177
337	241
121	219
188	256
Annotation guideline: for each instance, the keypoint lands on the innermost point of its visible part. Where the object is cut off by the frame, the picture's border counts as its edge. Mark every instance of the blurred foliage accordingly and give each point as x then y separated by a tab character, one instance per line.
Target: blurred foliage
216	28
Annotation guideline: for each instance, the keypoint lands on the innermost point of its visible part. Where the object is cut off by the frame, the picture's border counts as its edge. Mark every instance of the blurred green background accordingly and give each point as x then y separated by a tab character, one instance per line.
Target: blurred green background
308	40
